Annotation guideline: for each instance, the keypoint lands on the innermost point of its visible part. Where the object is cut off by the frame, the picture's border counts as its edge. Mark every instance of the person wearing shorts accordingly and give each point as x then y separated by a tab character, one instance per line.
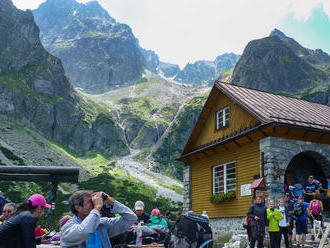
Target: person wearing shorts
301	222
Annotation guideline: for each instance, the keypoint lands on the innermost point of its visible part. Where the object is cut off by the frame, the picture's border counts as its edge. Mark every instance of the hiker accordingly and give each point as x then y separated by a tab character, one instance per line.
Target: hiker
156	219
316	210
289	204
300	214
284	224
168	220
18	230
143	217
258	215
309	189
63	221
274	216
3	201
87	227
8	210
291	192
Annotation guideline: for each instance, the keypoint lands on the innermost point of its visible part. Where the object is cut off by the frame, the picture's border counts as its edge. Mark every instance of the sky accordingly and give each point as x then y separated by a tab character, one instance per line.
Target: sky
183	31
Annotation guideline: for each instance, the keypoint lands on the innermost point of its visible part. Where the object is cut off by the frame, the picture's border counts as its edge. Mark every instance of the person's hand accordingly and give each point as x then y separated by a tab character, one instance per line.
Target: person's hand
97	200
256	218
288	224
109	200
45	240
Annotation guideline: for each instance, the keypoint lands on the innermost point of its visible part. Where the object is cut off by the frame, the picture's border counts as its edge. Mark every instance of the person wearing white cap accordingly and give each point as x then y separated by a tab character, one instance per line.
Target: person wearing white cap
18	231
139	211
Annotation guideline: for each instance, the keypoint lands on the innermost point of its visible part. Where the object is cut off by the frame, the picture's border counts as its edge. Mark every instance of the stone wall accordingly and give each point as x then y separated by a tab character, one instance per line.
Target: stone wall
225	226
186	189
280	151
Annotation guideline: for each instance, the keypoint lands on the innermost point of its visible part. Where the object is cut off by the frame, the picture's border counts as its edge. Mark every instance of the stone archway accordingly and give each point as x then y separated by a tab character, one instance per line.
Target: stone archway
280	152
304	164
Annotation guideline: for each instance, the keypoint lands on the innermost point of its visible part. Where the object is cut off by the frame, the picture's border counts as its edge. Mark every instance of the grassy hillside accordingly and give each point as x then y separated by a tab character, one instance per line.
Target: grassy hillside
24	146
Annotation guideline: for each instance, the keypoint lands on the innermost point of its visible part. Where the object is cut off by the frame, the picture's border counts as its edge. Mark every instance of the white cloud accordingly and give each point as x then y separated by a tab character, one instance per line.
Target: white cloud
187	30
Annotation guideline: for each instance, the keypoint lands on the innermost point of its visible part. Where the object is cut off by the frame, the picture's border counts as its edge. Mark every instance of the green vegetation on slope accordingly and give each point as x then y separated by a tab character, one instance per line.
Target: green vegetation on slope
177	136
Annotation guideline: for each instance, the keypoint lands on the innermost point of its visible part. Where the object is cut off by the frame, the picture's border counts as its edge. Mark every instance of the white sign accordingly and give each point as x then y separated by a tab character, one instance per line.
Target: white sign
245	189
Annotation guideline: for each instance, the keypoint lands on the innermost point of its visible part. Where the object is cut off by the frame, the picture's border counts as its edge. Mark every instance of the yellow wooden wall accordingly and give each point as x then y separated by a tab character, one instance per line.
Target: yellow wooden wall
247	165
239	118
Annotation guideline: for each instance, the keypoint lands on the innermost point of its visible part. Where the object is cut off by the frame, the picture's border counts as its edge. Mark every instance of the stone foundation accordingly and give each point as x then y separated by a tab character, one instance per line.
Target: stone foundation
225	226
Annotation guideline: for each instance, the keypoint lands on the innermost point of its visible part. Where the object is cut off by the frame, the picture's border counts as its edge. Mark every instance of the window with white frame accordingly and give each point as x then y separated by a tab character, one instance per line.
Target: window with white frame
224	178
222	118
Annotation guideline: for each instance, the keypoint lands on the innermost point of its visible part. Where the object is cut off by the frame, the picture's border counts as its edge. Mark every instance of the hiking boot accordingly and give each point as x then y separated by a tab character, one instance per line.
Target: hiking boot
298	245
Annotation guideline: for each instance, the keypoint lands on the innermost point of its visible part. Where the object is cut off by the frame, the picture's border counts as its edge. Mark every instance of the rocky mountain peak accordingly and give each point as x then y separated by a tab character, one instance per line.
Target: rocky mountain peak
278	33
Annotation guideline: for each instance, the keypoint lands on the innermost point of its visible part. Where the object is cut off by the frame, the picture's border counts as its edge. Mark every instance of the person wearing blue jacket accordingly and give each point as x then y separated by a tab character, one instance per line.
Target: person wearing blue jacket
87	229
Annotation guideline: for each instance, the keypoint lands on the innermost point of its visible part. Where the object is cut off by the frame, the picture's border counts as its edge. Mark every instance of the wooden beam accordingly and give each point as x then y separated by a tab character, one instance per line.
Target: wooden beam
288	131
321	136
214	150
249	138
305	133
196	156
262	131
224	146
205	154
236	143
188	160
40	170
38	177
274	129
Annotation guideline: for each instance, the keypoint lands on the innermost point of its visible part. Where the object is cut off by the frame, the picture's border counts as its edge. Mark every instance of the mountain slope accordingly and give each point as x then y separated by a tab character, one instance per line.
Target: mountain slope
34	90
279	64
97	52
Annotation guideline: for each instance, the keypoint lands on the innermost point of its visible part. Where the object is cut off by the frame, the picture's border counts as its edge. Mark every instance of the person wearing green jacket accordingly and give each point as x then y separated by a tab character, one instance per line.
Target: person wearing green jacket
156	219
274	216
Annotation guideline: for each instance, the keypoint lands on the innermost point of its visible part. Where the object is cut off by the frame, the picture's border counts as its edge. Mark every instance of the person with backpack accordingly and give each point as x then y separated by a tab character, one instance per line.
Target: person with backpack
156	219
316	210
284	224
274	216
18	230
289	204
300	214
247	225
258	215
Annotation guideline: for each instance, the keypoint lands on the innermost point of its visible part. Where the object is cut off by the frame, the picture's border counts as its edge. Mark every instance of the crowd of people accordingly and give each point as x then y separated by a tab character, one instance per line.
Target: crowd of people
301	204
91	224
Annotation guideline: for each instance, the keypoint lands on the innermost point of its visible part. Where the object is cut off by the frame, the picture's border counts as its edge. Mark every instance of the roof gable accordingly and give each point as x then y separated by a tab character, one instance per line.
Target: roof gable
266	108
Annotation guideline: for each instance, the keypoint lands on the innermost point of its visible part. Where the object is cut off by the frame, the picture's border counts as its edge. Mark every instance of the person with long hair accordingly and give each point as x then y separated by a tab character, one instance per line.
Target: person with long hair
18	231
316	210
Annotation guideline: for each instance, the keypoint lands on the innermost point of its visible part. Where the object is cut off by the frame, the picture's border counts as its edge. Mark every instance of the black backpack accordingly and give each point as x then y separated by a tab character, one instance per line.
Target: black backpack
299	209
194	227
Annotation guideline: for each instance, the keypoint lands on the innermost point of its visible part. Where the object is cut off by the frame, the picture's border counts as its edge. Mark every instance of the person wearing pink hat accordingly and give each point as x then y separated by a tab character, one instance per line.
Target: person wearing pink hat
156	219
18	231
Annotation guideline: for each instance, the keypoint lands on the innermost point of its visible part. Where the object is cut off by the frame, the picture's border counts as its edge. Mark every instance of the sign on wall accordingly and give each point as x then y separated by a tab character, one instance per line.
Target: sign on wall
245	189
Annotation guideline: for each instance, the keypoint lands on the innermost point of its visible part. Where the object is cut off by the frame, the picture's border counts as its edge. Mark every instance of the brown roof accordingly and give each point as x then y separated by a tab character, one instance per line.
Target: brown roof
268	108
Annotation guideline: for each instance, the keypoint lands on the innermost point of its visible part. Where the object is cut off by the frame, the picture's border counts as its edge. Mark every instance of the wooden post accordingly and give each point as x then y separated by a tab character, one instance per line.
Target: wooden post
51	200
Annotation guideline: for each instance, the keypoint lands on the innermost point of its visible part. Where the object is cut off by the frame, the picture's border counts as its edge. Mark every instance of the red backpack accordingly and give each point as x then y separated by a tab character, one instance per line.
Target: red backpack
316	207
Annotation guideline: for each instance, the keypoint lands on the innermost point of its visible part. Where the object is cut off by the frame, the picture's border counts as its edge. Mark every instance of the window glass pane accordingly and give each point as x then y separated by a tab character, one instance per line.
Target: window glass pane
231	177
218	187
